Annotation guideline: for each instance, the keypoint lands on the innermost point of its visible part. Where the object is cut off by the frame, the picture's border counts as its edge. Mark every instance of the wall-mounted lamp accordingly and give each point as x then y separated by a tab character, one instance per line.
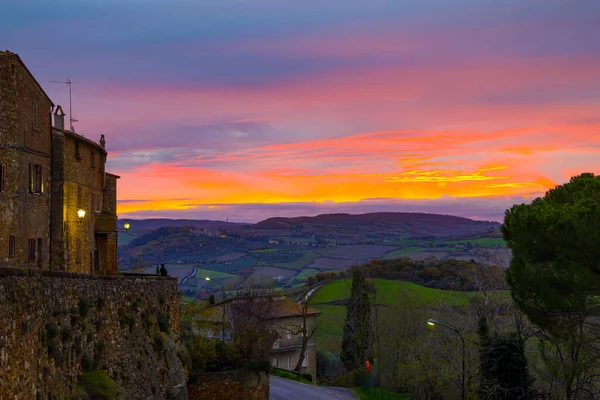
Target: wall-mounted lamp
126	225
81	214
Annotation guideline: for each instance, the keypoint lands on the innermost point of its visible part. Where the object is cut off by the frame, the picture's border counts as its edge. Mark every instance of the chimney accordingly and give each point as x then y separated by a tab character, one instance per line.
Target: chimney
59	118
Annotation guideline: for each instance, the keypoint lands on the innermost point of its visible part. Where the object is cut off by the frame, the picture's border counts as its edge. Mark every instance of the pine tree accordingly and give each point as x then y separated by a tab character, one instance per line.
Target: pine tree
357	339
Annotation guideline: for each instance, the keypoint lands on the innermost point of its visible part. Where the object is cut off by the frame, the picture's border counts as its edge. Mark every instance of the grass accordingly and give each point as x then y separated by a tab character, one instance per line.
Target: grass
203	273
403	252
483	242
299	263
305	273
98	385
289	375
331	321
259	251
378	394
388	290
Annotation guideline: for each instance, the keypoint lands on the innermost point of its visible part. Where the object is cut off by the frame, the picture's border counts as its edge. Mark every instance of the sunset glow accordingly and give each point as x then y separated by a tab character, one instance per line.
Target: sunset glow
365	108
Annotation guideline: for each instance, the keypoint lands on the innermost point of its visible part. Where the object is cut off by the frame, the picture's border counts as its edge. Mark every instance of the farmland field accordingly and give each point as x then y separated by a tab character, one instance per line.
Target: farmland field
402	252
265	271
327	264
299	263
356	251
331	320
203	273
388	290
305	273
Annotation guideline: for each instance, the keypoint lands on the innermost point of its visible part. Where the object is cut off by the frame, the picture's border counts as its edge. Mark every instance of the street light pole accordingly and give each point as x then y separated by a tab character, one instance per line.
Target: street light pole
434	322
222	306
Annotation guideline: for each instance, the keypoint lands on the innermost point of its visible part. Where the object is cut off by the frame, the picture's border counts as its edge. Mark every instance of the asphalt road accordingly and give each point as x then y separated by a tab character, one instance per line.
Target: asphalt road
285	389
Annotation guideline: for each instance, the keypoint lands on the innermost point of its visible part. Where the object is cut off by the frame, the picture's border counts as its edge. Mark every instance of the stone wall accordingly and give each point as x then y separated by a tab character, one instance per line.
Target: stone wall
55	325
229	385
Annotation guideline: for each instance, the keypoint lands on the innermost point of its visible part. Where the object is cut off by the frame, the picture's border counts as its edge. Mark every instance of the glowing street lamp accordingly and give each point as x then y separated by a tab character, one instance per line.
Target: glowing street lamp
222	306
81	213
126	225
433	322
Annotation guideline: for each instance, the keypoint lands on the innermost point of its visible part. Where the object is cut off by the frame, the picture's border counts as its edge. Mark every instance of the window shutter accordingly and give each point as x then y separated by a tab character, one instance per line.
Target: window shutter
42	179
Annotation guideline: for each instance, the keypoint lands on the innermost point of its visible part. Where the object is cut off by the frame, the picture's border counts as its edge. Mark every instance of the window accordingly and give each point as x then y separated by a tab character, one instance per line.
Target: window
78	251
305	361
36	115
288	335
31	251
12	246
276	344
77	152
36	179
2	177
40	250
92	159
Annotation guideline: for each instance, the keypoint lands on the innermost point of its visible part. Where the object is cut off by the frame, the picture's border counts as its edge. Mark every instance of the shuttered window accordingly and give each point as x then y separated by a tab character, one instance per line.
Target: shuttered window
36	178
31	250
78	251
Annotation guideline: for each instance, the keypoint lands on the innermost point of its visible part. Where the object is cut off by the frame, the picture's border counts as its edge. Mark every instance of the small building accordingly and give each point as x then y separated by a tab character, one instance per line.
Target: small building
286	318
25	154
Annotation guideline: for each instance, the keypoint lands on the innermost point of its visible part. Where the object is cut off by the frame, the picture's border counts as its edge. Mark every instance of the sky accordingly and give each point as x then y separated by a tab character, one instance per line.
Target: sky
242	110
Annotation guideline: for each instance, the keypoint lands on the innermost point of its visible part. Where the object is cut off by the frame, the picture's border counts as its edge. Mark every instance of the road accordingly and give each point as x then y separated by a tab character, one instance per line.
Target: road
285	389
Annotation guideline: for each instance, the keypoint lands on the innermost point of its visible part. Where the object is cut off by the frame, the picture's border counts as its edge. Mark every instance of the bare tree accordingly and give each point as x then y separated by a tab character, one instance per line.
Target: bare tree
303	327
250	319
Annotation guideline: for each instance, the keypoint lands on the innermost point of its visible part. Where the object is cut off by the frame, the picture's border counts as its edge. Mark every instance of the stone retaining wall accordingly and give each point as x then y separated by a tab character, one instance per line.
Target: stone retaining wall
53	325
230	385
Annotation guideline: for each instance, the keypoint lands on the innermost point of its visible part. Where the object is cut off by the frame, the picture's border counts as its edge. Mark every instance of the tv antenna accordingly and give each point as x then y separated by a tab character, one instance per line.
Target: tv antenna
71	119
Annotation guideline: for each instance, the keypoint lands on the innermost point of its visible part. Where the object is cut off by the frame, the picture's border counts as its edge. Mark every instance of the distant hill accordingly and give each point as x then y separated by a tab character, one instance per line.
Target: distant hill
411	224
151	224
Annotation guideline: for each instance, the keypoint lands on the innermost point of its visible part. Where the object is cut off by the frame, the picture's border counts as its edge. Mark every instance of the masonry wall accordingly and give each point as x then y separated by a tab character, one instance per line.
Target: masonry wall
229	385
57	324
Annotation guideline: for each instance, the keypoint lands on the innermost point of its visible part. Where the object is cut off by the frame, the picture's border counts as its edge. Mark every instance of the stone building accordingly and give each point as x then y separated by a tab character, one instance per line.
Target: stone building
84	204
57	203
25	155
286	318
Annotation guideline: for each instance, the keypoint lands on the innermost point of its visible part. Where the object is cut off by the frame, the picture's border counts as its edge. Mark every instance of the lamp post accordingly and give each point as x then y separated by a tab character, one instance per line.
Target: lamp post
434	322
222	305
127	225
81	214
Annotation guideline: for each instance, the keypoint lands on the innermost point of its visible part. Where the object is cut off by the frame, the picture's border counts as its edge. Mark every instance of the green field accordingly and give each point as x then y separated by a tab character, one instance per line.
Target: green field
483	242
260	251
402	252
388	291
305	273
203	273
331	320
298	263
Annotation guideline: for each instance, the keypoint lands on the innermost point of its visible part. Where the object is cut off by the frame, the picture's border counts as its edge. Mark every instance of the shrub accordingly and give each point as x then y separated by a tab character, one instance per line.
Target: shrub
307	376
98	385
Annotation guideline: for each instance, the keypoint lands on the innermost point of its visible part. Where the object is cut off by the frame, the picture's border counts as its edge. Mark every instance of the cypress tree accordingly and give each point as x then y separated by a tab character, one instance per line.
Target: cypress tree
357	339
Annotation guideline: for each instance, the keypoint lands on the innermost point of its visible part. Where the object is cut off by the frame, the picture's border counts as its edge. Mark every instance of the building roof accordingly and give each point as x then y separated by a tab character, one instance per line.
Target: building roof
116	176
9	54
82	138
283	307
